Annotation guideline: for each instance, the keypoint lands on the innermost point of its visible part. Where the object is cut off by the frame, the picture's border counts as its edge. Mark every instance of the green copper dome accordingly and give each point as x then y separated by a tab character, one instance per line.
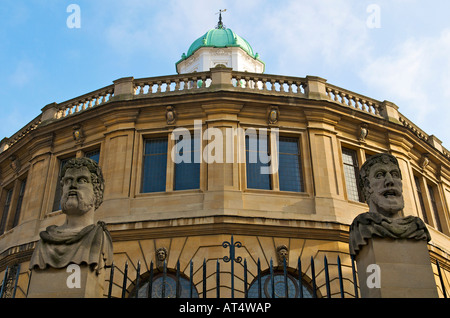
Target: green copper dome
220	37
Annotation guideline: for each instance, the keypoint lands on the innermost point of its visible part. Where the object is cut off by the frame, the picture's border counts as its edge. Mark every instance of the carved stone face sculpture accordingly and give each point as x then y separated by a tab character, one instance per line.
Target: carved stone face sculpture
78	195
381	181
79	239
282	253
81	179
161	254
383	186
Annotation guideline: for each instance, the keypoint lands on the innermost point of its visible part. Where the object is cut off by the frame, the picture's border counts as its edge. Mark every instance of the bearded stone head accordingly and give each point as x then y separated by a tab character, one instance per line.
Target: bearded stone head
82	186
381	183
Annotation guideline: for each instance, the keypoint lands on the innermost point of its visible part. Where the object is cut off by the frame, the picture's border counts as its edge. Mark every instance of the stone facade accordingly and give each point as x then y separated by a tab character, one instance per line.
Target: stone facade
328	121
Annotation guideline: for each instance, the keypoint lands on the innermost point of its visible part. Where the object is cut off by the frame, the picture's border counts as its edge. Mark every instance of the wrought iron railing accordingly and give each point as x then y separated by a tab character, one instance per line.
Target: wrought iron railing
274	282
279	289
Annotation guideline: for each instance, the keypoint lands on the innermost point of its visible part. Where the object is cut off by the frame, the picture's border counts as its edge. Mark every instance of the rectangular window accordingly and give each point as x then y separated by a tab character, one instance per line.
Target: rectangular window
289	168
6	210
351	173
257	150
421	202
155	165
435	209
58	192
187	172
19	202
93	154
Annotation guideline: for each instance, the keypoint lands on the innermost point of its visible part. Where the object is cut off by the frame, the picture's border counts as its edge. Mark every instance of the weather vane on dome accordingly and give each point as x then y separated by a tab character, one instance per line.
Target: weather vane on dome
220	24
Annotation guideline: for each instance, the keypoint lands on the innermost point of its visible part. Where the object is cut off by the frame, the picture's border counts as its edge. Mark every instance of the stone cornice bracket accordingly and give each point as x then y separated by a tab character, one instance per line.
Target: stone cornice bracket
321	120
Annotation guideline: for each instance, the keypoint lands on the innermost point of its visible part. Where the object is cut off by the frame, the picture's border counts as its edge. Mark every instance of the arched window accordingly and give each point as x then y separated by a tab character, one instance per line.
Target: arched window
279	284
165	286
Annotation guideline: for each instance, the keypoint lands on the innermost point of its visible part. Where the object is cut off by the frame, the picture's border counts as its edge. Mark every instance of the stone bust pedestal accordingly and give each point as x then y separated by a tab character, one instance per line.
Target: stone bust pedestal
403	269
390	250
69	260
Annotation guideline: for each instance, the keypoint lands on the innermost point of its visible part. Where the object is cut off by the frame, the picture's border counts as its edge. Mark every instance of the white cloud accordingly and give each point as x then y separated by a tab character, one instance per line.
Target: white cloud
416	76
301	33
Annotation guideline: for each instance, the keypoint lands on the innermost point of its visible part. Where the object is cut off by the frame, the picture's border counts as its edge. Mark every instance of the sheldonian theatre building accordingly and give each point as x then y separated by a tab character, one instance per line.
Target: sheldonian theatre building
220	180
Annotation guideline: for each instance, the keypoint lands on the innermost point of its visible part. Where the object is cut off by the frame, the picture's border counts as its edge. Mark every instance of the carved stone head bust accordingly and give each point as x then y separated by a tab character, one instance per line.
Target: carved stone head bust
82	185
381	183
161	256
282	254
78	240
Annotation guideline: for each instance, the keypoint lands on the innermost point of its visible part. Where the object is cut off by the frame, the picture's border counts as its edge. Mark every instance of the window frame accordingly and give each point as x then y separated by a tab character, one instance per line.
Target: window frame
170	165
356	167
433	209
7	200
274	178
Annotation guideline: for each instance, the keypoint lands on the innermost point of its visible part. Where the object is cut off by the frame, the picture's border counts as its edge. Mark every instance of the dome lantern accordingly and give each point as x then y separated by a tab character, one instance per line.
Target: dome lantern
220	46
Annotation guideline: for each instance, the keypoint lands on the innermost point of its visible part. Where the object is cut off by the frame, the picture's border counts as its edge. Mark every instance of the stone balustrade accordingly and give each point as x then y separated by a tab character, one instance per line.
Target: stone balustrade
220	78
146	87
273	84
84	102
353	100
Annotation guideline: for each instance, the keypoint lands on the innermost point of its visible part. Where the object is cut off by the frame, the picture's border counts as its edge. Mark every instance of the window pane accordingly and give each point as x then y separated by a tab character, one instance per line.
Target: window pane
187	174
19	202
254	152
435	209
289	169
6	210
351	174
421	203
155	164
94	155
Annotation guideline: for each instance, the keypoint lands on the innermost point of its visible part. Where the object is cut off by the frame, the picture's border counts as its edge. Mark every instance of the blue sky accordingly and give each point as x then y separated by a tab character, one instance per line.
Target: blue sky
405	58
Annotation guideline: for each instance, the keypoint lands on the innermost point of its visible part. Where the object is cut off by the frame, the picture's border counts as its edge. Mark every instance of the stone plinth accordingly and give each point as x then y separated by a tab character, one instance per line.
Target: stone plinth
404	269
62	283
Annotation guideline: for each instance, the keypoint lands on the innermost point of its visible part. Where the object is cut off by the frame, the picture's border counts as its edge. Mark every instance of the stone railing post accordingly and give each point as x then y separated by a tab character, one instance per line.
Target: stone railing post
221	77
49	112
390	112
435	142
124	88
3	144
316	88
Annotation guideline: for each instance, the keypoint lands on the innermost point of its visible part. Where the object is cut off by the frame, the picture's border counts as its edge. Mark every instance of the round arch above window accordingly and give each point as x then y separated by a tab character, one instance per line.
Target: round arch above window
164	286
279	284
